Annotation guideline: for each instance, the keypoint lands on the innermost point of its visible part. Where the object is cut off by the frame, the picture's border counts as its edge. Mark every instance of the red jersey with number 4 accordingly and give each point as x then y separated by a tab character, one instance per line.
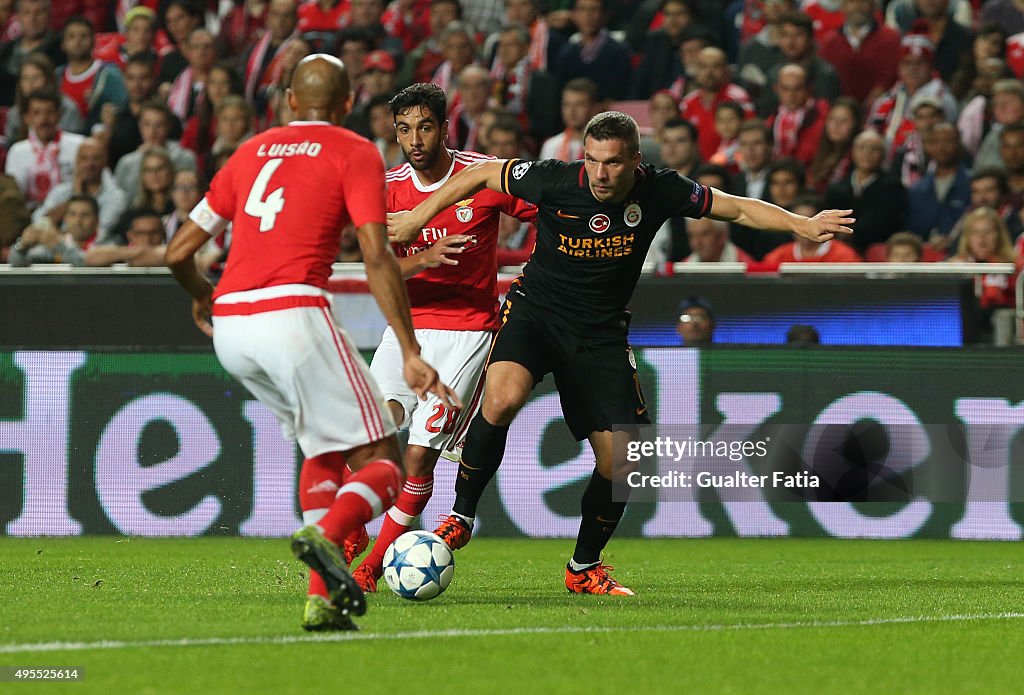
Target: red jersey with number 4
461	297
289	191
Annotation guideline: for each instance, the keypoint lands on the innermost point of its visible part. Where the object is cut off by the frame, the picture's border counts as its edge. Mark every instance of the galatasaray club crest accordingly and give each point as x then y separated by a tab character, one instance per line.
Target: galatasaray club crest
632	215
600	223
463	212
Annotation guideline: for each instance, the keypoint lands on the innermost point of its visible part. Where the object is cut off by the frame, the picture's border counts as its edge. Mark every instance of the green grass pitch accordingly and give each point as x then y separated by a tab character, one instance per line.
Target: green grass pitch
220	615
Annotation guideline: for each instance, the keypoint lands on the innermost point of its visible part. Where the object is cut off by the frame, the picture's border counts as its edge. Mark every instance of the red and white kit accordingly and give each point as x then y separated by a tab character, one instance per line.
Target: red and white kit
288	192
454	308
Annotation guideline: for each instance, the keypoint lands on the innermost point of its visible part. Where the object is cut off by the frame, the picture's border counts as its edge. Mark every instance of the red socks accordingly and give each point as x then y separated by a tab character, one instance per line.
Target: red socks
364	496
410	504
319	481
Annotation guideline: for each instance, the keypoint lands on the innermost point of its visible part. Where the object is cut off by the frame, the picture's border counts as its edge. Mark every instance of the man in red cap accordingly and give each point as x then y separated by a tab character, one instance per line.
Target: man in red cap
891	114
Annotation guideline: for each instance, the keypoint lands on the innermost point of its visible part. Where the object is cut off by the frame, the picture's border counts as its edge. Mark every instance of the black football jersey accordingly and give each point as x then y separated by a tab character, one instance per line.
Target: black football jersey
589	254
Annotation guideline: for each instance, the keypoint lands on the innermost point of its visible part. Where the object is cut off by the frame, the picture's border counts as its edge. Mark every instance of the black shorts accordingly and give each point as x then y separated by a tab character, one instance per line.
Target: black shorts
595	374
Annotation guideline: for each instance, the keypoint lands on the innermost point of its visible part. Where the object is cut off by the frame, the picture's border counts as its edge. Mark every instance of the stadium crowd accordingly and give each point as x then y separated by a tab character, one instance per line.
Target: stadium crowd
116	113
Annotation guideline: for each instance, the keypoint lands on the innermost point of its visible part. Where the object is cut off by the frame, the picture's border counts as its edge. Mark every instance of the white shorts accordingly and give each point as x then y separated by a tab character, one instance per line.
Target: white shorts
459	358
285	346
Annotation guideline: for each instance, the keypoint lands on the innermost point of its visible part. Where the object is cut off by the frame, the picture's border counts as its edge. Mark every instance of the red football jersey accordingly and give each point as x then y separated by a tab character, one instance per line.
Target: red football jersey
461	297
288	192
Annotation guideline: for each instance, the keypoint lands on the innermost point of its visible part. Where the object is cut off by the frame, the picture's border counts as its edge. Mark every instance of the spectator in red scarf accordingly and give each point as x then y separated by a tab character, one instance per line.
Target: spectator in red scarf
890	115
47	156
243	23
263	62
180	19
799	121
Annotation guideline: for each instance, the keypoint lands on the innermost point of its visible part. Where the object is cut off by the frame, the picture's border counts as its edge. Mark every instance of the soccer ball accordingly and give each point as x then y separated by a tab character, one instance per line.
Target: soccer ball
418	566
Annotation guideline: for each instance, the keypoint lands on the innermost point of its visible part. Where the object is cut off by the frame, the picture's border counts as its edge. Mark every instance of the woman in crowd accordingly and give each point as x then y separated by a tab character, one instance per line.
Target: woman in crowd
986	240
201	129
831	162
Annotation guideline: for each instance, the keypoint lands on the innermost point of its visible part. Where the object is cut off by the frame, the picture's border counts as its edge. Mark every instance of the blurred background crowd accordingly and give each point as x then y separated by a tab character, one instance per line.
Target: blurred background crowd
116	113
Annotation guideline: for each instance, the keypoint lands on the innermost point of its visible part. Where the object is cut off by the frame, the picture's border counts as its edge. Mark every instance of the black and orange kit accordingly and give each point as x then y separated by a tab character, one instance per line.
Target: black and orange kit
567	313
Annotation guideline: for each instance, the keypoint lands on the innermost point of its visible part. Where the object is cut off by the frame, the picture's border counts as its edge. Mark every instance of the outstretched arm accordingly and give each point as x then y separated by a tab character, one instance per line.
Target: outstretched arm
405	226
761	215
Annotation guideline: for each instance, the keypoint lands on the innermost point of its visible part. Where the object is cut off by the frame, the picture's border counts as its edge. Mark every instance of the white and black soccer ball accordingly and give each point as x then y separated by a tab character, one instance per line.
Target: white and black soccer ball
418	566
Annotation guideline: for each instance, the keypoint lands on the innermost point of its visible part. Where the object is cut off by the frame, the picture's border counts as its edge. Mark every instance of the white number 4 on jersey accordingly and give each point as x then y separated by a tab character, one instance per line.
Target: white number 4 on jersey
267	208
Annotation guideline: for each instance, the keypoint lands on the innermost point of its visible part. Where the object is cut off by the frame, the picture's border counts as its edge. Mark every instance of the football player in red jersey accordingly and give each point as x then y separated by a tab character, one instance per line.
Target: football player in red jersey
450	270
272	326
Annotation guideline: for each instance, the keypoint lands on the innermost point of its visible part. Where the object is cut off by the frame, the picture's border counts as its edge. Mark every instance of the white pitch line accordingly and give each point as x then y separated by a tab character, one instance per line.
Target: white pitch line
505	632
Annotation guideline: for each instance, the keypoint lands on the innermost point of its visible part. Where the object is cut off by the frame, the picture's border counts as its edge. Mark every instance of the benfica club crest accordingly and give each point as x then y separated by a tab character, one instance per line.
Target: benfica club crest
464	213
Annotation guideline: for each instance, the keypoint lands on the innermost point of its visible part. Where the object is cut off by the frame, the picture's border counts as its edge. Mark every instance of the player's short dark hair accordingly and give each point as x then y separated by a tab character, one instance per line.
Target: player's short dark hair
1002	180
678	122
613	125
88	200
81	20
43	95
798	20
422	95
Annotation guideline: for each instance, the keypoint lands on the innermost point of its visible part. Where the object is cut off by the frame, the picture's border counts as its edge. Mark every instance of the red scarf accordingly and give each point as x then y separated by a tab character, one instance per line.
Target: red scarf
510	86
181	94
538	54
787	129
253	79
46	172
571	149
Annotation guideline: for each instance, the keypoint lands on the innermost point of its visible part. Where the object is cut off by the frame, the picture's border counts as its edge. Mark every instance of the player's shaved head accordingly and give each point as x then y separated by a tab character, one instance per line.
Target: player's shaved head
320	89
